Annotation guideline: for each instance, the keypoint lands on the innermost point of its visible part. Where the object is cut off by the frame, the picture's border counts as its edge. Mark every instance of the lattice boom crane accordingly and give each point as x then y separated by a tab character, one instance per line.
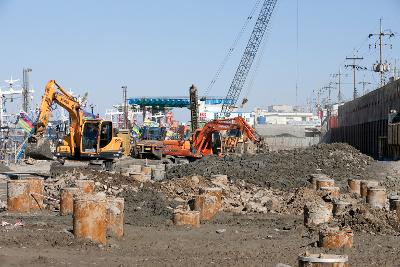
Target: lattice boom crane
248	56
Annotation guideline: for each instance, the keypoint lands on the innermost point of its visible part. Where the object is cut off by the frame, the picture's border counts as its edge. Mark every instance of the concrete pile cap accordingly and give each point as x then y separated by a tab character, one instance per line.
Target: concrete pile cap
329	188
316	205
323	258
72	189
319	175
334	229
99	197
210	189
376	188
325	180
330	229
370	182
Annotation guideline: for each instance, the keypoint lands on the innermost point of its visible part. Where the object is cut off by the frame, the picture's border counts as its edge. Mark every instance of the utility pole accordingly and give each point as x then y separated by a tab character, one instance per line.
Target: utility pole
381	67
355	67
395	71
25	89
125	98
364	84
328	105
339	84
329	89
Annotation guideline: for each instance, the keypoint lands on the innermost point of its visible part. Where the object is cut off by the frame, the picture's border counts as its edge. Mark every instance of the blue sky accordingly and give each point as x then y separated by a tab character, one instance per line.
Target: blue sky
161	47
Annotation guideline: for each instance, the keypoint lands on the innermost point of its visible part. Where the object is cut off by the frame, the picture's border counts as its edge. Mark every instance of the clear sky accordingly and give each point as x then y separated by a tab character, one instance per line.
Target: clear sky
161	47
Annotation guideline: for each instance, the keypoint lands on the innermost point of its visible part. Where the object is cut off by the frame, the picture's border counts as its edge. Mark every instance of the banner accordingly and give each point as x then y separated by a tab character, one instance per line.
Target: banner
25	122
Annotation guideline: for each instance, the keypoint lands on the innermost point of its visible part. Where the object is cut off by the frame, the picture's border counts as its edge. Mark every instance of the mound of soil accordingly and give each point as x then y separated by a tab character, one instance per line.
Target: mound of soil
362	218
284	170
146	208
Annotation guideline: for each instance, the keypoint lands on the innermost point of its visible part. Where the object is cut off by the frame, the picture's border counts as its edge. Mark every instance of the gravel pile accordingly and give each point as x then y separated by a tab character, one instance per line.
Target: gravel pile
283	170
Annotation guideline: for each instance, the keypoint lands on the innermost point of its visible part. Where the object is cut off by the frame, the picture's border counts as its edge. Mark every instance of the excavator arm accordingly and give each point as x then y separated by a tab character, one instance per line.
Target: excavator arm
202	140
60	97
39	147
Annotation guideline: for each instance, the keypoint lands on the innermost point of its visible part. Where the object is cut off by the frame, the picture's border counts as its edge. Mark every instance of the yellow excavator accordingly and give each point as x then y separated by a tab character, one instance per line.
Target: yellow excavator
87	139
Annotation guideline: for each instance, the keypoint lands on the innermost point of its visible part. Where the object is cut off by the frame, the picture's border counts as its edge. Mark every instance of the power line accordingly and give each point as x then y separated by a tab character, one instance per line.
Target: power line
381	67
339	83
248	56
364	84
231	50
355	67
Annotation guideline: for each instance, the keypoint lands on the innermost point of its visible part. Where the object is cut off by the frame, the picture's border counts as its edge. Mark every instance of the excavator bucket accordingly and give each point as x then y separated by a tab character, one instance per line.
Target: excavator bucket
40	149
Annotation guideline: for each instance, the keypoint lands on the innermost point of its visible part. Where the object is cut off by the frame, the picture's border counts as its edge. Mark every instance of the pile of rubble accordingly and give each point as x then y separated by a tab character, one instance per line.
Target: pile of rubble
283	170
288	191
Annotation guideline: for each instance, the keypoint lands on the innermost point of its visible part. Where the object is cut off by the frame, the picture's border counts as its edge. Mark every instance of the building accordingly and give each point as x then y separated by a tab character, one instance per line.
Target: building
275	115
280	108
210	109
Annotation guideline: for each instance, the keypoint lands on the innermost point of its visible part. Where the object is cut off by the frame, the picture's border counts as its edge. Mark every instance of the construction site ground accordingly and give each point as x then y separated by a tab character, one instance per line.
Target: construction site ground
245	233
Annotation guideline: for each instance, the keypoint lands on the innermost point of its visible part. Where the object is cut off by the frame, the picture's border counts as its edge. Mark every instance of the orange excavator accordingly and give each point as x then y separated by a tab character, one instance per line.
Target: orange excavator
217	137
87	138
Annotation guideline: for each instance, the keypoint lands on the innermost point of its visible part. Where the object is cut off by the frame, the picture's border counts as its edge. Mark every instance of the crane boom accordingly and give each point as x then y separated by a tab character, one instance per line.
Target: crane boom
248	56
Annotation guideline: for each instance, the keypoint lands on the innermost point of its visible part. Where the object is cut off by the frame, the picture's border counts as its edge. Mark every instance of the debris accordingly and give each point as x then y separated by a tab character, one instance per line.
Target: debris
9	226
284	170
220	231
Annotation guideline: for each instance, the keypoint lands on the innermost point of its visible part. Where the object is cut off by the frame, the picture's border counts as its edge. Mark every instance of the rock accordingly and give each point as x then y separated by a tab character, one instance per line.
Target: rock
255	207
220	231
97	184
195	180
282	265
179	199
259	194
219	179
3	205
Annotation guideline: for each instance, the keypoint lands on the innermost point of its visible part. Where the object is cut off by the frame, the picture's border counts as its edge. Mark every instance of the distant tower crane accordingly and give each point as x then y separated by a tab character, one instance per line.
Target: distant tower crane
248	56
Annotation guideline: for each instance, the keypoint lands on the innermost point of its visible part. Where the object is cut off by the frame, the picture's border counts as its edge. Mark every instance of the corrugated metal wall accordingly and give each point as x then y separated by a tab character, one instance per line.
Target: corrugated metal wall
362	121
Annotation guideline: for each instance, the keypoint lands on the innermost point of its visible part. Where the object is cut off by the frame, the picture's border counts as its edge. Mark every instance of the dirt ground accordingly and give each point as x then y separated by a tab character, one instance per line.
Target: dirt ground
249	240
229	239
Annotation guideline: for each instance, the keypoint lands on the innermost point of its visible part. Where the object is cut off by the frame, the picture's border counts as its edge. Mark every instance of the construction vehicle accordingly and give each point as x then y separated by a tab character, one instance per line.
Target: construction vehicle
389	145
151	144
91	139
210	140
126	138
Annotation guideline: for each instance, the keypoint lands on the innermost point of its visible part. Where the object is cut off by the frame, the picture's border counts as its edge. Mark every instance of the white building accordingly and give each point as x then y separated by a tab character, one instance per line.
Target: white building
210	109
285	118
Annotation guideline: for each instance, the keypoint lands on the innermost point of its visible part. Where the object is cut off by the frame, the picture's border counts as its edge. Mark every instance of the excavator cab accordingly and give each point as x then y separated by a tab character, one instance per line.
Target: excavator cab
216	143
90	138
213	144
98	141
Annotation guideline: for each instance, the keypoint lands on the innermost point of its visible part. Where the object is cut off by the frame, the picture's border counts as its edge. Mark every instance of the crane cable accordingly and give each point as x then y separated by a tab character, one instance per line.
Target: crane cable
231	49
255	71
